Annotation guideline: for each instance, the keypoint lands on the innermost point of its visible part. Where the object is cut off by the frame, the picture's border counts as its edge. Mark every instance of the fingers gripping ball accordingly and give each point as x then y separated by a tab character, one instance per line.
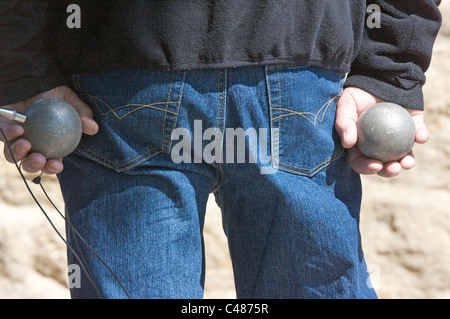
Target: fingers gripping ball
386	132
53	127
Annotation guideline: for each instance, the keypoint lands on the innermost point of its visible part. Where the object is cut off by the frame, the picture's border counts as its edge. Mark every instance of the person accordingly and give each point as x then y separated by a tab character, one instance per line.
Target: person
170	92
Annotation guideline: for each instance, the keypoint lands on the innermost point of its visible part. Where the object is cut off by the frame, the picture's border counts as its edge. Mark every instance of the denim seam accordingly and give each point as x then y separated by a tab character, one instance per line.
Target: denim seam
280	103
177	106
221	95
269	96
165	112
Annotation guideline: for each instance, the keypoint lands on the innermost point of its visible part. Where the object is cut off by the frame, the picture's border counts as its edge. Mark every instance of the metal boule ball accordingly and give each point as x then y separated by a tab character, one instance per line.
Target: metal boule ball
386	132
53	127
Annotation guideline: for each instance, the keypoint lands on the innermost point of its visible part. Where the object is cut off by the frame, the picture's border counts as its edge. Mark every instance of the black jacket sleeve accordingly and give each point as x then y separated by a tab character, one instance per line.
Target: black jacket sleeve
27	64
393	58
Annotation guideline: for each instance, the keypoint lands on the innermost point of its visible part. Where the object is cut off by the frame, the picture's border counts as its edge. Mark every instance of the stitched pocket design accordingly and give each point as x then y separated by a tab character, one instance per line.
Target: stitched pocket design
136	111
302	111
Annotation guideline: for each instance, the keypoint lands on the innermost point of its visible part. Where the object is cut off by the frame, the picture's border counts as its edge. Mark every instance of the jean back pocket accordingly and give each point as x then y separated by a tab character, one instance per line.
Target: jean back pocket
136	111
302	104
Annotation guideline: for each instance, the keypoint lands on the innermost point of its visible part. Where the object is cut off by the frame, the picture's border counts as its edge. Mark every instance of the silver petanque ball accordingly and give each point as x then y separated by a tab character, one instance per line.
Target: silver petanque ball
53	127
386	132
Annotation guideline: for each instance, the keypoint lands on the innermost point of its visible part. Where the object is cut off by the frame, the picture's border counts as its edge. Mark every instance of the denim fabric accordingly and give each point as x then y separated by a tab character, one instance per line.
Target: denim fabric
137	190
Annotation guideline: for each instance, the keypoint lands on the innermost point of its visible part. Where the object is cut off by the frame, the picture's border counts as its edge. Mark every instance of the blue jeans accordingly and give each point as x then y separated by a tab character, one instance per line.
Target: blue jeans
262	139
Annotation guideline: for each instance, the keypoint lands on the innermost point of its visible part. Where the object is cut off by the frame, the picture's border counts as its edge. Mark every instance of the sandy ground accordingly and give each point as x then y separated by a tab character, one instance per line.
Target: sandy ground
405	221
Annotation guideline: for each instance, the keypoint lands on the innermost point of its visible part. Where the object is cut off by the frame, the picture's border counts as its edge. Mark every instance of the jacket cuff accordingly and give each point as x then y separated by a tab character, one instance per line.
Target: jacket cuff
13	91
410	97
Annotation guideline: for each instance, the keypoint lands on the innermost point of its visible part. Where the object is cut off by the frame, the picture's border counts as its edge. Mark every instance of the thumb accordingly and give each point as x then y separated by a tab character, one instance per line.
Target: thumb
422	134
345	123
89	125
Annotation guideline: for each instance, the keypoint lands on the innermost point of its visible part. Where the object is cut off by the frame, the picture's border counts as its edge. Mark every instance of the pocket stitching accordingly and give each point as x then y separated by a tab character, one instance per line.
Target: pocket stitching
115	165
112	110
303	114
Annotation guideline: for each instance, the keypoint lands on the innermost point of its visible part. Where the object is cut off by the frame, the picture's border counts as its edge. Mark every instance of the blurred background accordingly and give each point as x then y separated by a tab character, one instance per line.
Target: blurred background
405	221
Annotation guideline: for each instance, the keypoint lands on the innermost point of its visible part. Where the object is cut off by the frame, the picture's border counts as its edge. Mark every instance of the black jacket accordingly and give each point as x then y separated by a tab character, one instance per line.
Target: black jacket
38	50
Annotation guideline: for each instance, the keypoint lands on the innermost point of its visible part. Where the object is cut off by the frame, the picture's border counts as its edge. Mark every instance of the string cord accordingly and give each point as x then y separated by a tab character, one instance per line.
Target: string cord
72	227
69	223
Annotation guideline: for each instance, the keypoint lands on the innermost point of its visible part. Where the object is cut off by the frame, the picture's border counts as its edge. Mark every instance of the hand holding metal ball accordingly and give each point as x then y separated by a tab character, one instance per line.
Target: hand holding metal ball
386	132
52	126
